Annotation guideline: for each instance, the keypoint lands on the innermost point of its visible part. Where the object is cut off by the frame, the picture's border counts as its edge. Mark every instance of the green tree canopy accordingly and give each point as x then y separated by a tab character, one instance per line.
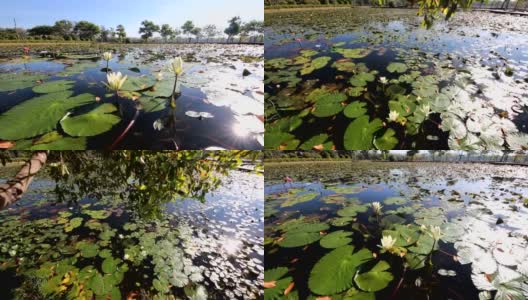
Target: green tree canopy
234	27
147	29
42	30
253	26
166	31
86	30
121	33
63	28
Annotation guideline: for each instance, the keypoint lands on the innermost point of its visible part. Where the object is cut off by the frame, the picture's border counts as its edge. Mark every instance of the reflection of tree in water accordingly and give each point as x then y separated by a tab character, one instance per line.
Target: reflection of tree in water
143	180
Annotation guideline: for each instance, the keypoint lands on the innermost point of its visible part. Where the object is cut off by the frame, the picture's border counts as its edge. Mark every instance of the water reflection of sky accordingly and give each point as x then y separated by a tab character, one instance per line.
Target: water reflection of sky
214	87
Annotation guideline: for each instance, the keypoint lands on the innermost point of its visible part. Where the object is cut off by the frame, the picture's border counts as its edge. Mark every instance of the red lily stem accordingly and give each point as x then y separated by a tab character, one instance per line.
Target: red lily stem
446	253
399	284
130	125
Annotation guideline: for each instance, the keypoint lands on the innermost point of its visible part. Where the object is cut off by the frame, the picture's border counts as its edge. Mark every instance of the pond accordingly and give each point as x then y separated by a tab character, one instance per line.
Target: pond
459	229
100	248
367	78
55	97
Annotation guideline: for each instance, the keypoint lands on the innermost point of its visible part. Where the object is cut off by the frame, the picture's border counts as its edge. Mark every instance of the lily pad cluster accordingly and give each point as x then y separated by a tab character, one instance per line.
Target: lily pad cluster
353	251
407	89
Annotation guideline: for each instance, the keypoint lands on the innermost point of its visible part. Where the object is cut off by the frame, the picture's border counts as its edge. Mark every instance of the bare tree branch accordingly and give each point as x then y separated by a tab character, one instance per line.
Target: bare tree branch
12	191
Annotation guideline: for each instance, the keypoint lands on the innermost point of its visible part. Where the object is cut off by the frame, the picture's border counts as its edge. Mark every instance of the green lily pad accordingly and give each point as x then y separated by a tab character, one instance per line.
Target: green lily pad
355	109
299	239
334	272
329	105
352	211
39	115
12	82
376	279
424	245
359	134
153	104
308	52
302	226
320	139
355	91
361	79
272	140
110	264
354	294
404	106
344	66
387	141
275	274
77	68
277	292
336	239
87	249
345	189
95	122
341	221
394	201
139	83
299	199
101	285
74	223
54	86
98	214
353	53
64	143
315	64
396	67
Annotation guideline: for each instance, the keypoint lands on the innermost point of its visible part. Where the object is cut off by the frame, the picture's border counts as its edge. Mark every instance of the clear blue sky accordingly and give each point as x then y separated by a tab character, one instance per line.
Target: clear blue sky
130	13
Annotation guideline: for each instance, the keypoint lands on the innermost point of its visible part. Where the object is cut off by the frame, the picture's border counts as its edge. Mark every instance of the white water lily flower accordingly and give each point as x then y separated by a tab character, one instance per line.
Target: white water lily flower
387	242
435	232
425	109
517	141
159	76
393	115
418	282
158	125
126	256
177	66
107	56
383	80
484	295
116	81
377	207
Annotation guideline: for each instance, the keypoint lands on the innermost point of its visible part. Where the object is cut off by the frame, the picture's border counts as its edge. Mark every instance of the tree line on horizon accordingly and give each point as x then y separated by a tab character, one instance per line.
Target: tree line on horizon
86	31
306	2
505	156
